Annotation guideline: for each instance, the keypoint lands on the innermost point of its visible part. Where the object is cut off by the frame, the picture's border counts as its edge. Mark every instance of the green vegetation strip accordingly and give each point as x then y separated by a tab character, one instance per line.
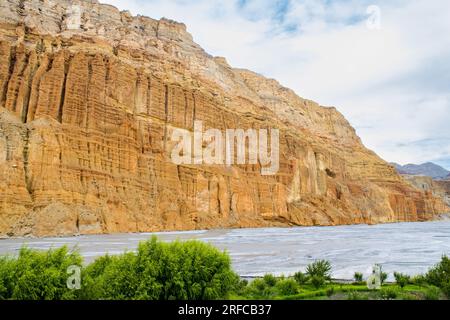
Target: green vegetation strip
191	270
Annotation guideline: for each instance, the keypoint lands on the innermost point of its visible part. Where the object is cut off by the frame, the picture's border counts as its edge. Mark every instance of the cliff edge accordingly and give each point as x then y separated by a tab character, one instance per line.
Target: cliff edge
89	97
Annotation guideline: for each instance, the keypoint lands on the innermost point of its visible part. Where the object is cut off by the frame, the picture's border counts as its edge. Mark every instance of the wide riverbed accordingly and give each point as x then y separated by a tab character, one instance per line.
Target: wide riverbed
404	247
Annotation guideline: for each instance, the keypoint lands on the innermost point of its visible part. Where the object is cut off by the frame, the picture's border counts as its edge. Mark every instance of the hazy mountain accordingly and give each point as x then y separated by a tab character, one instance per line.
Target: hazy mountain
426	169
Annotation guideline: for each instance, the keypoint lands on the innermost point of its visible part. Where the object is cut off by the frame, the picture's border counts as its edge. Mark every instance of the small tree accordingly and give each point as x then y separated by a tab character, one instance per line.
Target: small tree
270	280
287	287
317	281
320	268
401	279
383	277
439	275
358	277
301	278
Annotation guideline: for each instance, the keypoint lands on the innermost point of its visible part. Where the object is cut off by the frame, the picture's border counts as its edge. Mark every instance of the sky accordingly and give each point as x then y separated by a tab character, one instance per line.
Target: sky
384	64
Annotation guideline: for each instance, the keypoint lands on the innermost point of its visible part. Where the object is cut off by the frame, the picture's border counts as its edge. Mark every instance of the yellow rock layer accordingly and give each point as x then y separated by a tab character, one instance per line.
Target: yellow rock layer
89	97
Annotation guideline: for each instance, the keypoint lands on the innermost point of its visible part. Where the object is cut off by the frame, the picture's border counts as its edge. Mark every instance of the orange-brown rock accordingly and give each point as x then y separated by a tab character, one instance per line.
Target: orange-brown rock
439	188
89	97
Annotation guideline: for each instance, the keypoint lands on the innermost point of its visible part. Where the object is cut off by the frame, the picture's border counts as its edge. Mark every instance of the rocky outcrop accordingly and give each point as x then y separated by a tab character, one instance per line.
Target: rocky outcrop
444	187
89	97
439	188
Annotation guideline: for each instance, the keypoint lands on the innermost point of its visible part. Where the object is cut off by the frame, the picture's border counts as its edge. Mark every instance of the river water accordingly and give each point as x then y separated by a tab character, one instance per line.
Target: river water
404	247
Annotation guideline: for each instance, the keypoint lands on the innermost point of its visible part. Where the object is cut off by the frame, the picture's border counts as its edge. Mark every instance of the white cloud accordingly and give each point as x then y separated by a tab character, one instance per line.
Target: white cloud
392	84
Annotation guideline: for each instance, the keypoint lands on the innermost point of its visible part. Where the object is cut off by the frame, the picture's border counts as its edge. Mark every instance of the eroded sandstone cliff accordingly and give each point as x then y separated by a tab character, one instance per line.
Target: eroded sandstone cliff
89	97
439	188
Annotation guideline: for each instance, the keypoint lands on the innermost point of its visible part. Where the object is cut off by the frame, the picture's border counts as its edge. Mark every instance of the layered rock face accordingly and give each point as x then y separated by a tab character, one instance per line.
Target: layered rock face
444	190
89	98
439	188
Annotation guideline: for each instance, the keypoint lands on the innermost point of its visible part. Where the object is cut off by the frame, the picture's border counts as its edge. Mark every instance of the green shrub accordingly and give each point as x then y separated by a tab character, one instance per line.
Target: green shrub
317	281
241	286
116	278
301	278
190	270
439	275
408	296
256	288
320	268
387	293
7	267
354	295
270	280
259	284
358	277
287	287
446	288
432	293
38	275
401	279
330	291
419	280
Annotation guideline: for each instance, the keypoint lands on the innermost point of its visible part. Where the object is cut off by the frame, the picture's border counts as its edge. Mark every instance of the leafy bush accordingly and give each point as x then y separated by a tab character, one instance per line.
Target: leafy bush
402	279
330	292
388	293
189	270
38	275
317	281
259	284
439	275
270	280
408	296
432	293
358	277
7	267
116	278
301	278
287	287
353	295
446	288
241	286
258	288
320	268
419	280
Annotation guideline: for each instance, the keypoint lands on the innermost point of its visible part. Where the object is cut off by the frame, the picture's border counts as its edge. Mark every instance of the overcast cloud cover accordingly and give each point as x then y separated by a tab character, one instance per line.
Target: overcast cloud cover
392	84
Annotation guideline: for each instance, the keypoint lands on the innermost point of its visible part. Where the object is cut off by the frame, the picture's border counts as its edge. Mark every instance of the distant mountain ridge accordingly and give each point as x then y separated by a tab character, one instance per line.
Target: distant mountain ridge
426	169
